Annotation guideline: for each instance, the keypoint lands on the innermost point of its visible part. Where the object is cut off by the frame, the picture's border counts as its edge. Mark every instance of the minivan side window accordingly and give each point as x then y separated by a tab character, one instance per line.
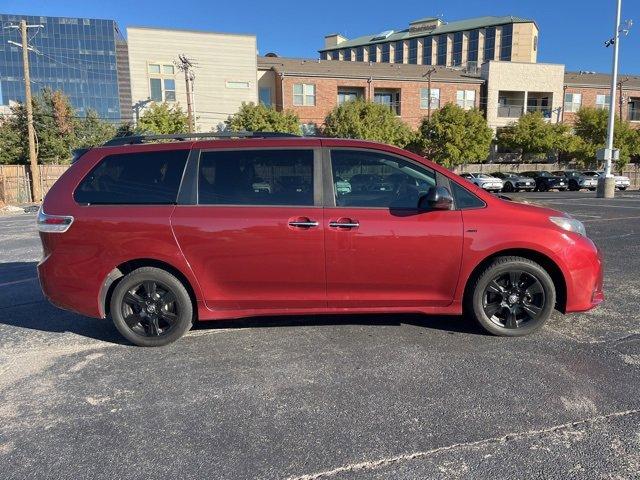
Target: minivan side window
143	178
364	178
256	177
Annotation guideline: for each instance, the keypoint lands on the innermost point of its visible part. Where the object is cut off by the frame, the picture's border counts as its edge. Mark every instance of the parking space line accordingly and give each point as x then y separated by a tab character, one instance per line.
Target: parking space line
610	219
593	205
15	282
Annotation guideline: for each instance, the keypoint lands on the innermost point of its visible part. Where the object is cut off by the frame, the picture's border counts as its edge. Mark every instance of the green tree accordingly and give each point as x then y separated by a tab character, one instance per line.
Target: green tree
160	119
58	130
91	131
453	136
259	118
533	136
368	121
591	128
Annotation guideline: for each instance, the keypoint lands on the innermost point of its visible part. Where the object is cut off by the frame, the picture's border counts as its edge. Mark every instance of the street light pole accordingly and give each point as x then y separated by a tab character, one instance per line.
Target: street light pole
606	185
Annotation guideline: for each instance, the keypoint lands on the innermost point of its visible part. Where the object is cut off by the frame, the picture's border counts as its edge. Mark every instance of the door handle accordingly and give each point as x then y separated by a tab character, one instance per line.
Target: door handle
345	223
303	222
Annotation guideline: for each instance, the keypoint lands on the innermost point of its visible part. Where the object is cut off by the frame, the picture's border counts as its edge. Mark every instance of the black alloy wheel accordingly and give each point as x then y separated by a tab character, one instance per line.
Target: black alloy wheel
513	298
150	307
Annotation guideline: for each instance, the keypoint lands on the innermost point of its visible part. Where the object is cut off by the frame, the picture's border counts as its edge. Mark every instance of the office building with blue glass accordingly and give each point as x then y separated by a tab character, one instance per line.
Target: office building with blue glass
85	58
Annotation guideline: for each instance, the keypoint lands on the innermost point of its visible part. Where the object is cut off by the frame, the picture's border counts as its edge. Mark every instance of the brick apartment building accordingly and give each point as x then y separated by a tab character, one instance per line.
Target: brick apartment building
312	88
587	89
432	41
504	91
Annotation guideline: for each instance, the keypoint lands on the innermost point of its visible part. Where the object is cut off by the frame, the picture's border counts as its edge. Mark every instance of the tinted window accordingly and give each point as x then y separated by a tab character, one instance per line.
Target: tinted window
134	178
464	198
372	179
256	177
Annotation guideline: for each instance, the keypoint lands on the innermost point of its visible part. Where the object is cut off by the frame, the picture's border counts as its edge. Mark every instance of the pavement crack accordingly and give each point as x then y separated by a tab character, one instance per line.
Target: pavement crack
382	462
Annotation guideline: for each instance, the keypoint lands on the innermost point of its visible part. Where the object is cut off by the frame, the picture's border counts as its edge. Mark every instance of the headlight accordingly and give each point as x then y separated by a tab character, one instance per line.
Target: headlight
570	224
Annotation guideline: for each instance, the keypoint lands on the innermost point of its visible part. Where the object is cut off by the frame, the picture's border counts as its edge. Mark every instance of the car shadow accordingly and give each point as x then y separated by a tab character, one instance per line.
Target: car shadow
23	305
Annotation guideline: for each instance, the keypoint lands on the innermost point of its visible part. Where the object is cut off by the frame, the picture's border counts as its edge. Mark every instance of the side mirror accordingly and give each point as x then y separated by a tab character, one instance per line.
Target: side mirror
436	198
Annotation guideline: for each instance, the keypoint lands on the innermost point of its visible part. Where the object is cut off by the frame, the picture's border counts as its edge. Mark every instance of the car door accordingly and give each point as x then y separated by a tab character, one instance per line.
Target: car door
254	236
381	251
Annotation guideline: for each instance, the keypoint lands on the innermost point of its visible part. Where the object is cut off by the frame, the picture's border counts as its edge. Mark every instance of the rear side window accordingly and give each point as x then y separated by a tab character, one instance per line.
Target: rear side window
256	177
145	178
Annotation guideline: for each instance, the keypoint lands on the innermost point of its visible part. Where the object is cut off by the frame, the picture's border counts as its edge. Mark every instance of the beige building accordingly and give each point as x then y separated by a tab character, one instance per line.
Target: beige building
225	71
513	89
432	41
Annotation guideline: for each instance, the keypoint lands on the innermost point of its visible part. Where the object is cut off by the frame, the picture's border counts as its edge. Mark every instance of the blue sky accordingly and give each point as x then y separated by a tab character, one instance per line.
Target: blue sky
571	31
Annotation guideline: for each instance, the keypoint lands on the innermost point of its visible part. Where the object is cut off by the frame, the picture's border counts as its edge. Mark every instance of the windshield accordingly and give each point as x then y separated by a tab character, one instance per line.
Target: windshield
545	174
483	175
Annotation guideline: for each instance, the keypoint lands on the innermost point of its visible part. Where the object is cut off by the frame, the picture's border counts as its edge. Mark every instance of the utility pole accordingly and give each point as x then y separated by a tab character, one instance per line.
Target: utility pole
36	188
430	72
607	184
621	96
184	64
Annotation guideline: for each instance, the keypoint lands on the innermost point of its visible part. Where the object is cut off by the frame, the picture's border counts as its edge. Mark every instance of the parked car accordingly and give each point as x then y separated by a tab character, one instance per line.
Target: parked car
487	182
158	235
546	181
514	182
622	182
576	180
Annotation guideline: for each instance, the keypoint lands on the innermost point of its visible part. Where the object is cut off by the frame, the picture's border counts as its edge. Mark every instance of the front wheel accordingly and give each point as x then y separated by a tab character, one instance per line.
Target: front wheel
508	187
622	188
513	296
150	307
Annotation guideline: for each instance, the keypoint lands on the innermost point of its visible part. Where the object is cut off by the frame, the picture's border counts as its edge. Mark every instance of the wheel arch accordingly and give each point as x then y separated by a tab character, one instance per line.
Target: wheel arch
543	260
115	275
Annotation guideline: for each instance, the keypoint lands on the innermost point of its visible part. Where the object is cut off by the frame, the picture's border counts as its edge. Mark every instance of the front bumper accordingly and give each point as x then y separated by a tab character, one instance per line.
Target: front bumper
586	277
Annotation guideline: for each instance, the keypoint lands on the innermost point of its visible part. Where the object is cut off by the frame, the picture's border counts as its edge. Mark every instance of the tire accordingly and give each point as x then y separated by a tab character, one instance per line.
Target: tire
591	189
148	315
573	186
562	189
544	187
508	187
622	188
493	286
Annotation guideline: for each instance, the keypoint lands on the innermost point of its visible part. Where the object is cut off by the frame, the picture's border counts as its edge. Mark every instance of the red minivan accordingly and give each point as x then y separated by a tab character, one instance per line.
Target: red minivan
157	232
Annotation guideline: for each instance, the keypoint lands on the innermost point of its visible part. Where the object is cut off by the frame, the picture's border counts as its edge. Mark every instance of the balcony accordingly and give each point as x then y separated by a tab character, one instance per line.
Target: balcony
510	111
546	111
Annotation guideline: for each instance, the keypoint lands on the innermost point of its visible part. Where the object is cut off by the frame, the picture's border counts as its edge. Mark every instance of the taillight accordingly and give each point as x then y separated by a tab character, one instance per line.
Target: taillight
53	223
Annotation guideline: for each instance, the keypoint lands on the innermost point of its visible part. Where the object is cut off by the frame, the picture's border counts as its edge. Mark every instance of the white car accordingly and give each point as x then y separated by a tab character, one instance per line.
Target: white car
487	182
622	182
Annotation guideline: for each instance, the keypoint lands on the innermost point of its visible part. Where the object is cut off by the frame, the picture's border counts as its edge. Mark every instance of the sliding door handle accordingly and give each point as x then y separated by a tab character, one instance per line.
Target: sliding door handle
344	223
303	222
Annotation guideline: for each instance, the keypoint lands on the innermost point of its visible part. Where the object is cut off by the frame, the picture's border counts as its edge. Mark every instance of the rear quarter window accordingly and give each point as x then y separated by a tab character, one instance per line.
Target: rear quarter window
143	178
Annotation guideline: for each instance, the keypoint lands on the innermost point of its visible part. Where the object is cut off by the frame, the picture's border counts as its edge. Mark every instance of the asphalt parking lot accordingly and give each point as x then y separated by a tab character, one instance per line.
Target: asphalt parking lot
373	397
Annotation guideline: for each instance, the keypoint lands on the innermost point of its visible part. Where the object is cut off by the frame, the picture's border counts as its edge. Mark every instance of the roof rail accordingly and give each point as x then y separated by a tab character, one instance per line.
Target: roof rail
181	137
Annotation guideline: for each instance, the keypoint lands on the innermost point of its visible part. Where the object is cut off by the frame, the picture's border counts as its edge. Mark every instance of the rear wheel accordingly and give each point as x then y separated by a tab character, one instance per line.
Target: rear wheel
512	297
508	187
150	307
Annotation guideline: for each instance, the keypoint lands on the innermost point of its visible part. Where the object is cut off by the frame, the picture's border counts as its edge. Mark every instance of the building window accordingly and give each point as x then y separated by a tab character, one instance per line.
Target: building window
389	98
505	43
424	98
466	99
360	54
427	50
154	68
304	94
373	53
603	101
456	59
386	53
265	96
349	94
237	85
346	54
442	50
398	56
413	51
535	43
162	90
472	56
489	43
308	129
572	102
